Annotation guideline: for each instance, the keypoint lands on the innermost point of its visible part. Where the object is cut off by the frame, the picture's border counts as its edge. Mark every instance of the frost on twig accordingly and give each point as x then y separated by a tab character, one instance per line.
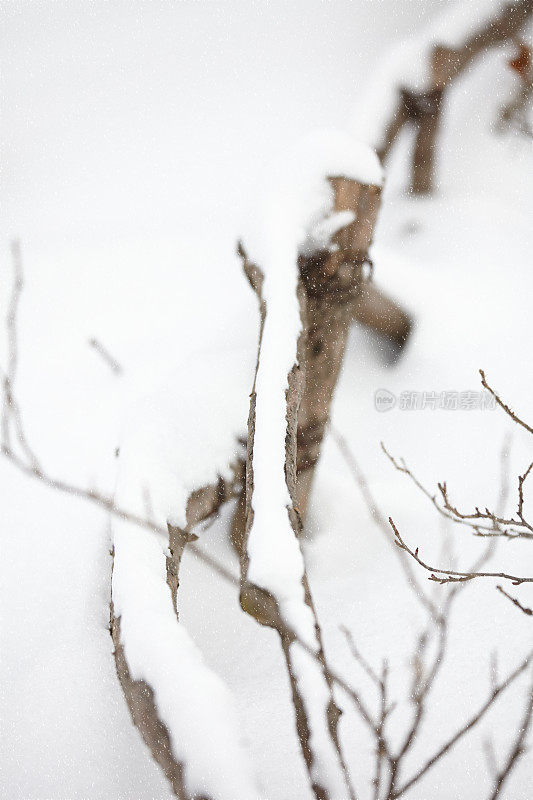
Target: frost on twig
411	84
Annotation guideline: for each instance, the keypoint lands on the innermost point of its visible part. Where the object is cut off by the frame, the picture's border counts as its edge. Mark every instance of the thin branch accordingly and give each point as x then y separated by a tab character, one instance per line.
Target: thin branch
497	521
106	356
360	658
451	513
452	576
523	609
381	748
380	520
474	719
424	675
503	405
518	747
12	342
107	503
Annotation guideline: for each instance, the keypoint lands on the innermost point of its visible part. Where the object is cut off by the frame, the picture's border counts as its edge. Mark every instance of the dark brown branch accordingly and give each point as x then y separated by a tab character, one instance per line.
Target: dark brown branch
379	313
334	283
202	504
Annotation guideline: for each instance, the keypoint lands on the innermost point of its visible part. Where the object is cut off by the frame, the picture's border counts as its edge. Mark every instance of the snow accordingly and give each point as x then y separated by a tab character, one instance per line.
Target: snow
161	461
132	142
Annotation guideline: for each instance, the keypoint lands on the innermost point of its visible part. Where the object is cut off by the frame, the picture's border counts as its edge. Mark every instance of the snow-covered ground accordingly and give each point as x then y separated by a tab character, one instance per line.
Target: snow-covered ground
132	138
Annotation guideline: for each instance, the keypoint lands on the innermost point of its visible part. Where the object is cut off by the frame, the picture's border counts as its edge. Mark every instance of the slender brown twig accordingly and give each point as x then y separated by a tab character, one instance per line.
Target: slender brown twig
380	520
452	514
474	720
425	668
518	747
517	603
508	410
453	576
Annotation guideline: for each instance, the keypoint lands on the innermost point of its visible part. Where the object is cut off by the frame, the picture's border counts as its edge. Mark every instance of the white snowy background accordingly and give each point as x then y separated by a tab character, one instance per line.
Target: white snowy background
132	138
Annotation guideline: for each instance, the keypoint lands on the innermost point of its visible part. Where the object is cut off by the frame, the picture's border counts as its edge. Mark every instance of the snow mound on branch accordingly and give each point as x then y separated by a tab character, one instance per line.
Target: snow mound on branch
192	702
297	200
163	454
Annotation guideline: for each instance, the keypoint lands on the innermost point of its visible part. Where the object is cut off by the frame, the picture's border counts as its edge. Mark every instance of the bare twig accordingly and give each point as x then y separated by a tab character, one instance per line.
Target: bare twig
472	722
518	747
450	513
503	405
359	658
102	351
523	609
12	340
452	576
425	672
380	520
497	521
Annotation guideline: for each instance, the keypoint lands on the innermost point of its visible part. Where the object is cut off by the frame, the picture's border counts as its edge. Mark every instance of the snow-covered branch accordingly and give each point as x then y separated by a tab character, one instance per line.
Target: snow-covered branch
182	709
410	85
317	232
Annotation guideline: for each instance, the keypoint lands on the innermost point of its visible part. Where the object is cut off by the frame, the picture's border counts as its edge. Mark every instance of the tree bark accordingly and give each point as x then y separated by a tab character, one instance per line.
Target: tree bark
333	283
